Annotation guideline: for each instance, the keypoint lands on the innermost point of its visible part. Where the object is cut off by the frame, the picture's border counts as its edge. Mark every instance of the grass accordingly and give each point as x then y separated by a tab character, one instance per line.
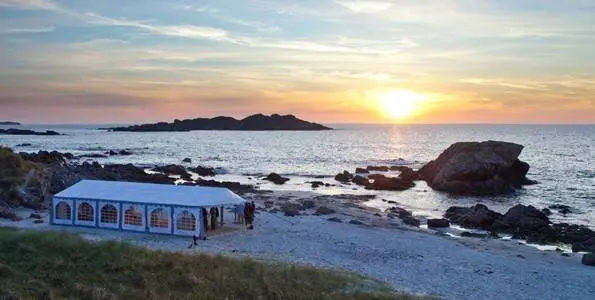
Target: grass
45	265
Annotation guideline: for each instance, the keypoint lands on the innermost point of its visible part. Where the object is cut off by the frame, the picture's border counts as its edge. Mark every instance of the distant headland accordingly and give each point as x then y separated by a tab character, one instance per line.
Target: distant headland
258	122
9	123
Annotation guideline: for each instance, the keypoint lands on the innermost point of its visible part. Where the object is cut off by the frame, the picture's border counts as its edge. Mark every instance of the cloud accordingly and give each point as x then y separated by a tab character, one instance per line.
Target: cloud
365	7
30	4
30	30
187	31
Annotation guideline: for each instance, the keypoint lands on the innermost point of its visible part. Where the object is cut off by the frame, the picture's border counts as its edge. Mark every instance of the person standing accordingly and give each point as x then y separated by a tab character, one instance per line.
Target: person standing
214	214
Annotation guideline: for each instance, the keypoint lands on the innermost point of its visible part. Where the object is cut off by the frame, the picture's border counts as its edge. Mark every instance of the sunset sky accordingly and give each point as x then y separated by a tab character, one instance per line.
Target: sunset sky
331	61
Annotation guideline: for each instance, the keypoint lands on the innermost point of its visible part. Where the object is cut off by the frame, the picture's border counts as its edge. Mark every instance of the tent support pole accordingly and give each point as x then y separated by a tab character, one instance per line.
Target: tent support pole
221	216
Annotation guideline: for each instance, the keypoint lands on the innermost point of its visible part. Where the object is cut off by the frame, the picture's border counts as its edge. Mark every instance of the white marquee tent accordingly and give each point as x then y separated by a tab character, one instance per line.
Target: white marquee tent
143	207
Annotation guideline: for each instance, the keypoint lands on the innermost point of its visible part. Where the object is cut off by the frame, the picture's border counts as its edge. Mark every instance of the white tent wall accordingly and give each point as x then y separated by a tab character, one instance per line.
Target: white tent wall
187	221
66	205
85	213
133	217
109	214
155	213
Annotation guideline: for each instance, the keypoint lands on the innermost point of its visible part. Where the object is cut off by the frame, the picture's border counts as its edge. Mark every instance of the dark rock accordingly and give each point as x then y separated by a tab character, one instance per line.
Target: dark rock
406	173
25	145
478	216
356	222
38	221
274	210
390	184
378	215
308	204
45	157
276	178
411	221
323	210
204	171
359	180
233	186
268	204
7	213
172	170
14	131
291	209
35	216
522	220
16	218
438	223
124	153
317	184
254	122
93	155
563	209
588	259
403	214
334	219
361	171
111	153
474	235
584	246
378	168
546	212
473	168
344	177
187	160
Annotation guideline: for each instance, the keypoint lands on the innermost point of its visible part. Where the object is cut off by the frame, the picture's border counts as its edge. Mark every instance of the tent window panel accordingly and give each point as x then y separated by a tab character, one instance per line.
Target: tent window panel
85	212
63	211
186	221
109	214
159	219
133	216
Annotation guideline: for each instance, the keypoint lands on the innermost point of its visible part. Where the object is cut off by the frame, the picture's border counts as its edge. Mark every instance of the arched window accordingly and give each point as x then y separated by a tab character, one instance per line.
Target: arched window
133	217
159	219
63	211
186	221
109	214
85	212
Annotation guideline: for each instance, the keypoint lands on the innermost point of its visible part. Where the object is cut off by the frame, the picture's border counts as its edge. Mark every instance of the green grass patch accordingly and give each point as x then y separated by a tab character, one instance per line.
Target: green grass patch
48	265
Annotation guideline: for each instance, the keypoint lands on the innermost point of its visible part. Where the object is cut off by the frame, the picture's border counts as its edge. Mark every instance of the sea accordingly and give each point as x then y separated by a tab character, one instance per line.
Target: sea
562	158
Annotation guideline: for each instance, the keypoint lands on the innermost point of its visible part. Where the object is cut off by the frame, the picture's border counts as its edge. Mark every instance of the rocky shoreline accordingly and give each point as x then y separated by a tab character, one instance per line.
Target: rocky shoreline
14	131
57	171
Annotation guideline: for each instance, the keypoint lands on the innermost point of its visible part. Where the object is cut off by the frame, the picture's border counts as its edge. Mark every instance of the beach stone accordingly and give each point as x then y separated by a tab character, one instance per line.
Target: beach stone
411	221
334	219
171	169
317	184
378	168
187	160
38	221
478	216
561	208
588	259
124	152
344	177
473	168
546	212
276	178
356	222
291	209
308	204
35	216
438	223
323	210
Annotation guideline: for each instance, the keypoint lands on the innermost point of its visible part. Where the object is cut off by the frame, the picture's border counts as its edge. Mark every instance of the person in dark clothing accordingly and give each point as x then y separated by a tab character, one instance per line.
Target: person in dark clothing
204	219
214	215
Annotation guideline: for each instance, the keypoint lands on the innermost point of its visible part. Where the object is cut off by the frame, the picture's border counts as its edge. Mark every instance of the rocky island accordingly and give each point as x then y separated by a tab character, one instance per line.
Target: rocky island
9	123
13	131
258	122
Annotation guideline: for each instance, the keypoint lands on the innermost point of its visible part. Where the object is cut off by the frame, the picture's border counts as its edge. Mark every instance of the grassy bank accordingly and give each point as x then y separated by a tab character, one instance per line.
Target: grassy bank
53	265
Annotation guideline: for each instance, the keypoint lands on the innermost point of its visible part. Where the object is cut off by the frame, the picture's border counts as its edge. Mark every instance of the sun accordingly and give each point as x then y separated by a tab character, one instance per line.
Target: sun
399	104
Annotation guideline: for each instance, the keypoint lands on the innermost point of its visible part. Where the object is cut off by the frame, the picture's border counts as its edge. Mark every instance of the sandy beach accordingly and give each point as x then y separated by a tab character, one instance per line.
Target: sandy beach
412	260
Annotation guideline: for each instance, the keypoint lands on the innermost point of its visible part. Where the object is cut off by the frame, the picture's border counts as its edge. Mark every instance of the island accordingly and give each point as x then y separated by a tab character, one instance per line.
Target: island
9	123
258	122
13	131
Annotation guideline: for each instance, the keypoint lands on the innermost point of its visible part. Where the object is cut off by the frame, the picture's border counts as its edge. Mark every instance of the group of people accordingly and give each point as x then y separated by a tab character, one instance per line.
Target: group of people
245	214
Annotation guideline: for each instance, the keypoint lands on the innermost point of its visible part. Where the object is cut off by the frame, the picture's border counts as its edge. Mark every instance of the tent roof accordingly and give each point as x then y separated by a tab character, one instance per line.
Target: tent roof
151	193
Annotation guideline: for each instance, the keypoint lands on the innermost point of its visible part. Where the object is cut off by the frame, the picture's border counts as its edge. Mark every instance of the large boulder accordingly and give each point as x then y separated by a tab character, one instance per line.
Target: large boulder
588	245
407	173
588	259
390	184
522	220
276	178
203	171
438	223
486	168
323	210
478	216
360	180
172	169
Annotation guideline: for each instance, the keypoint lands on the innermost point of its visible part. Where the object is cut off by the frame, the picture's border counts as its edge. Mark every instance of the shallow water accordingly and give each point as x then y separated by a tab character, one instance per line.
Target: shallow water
561	157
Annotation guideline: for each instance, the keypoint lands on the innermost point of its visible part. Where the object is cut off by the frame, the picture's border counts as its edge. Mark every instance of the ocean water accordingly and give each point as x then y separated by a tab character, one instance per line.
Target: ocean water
561	158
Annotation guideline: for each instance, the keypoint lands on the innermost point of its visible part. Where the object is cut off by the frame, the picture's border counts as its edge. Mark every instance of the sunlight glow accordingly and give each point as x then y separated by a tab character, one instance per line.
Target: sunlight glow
399	104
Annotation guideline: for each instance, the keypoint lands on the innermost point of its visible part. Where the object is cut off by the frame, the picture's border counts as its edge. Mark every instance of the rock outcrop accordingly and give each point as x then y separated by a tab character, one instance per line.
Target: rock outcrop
344	177
588	259
276	178
254	122
478	216
473	168
390	183
204	171
13	131
438	223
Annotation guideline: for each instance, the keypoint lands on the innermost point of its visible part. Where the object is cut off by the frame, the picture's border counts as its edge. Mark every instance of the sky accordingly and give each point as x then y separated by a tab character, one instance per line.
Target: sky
330	61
